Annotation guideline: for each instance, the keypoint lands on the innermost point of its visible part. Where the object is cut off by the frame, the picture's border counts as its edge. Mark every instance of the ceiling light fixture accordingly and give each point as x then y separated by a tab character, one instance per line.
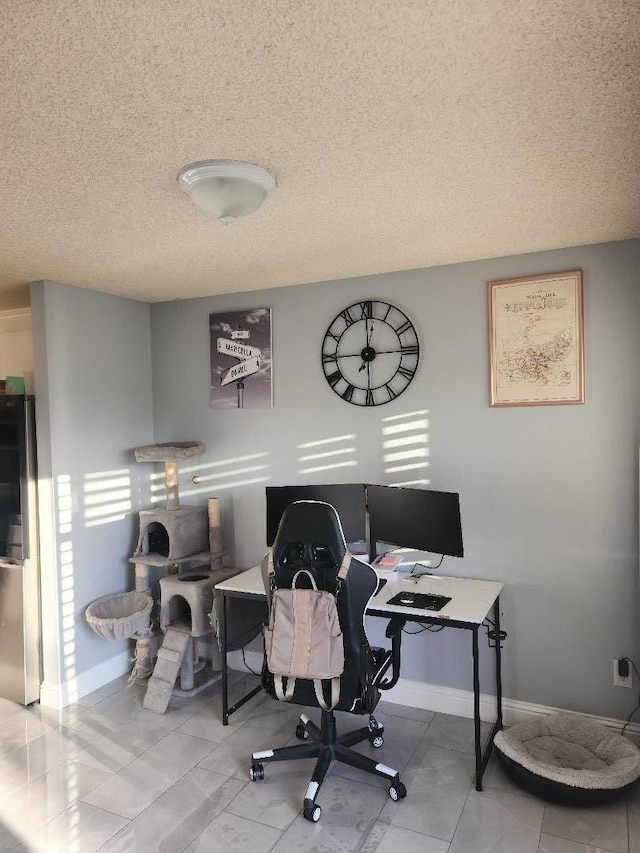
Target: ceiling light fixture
226	188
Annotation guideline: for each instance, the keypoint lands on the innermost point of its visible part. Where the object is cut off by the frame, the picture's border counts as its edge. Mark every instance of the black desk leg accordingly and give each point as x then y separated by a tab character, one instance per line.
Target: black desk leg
496	619
476	708
223	654
226	709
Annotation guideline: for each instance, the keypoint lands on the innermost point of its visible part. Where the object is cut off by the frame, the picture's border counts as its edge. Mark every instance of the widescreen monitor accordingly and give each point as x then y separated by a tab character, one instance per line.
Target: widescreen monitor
420	519
347	498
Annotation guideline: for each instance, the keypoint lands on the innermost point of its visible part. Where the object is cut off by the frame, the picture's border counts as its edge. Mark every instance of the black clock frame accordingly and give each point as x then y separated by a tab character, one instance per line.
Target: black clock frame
354	313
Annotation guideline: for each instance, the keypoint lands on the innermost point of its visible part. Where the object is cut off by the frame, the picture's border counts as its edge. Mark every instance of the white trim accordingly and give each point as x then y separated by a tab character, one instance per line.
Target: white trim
253	659
449	700
60	695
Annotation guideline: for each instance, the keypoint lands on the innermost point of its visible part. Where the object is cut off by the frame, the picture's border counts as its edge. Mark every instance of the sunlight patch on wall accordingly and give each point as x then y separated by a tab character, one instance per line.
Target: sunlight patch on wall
198	467
220	475
329	453
64	501
315	468
107	496
405	427
405	448
324	441
64	504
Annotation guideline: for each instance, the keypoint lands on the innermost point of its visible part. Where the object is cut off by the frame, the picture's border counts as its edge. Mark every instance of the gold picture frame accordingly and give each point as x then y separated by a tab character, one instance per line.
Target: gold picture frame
536	340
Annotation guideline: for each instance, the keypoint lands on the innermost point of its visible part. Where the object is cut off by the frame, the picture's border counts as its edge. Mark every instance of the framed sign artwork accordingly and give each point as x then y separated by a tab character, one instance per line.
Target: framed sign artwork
240	343
536	340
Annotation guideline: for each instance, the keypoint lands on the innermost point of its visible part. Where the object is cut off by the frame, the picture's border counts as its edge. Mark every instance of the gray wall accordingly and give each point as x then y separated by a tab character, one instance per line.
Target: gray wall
93	389
549	494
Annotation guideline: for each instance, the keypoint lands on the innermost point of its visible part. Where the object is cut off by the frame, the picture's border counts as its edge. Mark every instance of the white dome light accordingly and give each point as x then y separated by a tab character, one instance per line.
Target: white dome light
226	188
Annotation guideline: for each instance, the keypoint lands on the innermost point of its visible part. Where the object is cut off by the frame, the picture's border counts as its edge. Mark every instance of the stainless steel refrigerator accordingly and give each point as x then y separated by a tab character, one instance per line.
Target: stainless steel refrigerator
20	637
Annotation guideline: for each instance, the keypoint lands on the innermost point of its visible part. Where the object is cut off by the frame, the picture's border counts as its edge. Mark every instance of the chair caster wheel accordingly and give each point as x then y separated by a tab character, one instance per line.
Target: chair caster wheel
376	741
312	813
256	773
301	732
397	791
375	726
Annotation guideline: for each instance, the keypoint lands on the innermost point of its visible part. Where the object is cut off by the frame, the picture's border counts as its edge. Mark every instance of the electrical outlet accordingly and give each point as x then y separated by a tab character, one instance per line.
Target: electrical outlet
618	680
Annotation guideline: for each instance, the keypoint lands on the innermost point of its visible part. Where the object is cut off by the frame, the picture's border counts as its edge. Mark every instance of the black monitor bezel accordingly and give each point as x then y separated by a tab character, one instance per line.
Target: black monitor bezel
442	534
349	500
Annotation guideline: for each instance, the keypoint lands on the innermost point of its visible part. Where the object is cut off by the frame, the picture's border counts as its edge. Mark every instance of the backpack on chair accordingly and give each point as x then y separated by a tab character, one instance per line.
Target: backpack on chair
303	638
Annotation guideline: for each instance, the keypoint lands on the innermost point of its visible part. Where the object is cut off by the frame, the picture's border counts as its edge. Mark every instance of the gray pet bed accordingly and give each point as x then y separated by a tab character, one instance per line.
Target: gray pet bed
568	759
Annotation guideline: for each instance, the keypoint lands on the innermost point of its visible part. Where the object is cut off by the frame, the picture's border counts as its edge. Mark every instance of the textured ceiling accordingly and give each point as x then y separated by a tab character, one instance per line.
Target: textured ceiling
402	134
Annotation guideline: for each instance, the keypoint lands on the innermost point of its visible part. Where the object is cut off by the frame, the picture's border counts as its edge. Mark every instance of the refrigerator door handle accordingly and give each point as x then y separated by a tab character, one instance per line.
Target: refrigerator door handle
29	483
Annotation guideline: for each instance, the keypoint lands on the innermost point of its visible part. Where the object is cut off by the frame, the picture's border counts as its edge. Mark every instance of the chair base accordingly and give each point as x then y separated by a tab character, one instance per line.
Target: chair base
326	746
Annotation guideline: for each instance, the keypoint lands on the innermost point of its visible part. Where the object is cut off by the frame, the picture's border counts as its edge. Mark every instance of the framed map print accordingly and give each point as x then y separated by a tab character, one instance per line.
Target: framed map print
240	344
536	340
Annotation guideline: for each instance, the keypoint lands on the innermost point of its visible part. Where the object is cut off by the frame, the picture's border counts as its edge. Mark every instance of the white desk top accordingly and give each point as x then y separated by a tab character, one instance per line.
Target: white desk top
249	582
471	600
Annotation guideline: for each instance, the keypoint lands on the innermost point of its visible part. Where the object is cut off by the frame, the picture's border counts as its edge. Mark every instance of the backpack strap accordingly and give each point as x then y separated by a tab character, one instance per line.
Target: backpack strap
345	565
335	693
306	572
284	694
343	571
268	559
318	684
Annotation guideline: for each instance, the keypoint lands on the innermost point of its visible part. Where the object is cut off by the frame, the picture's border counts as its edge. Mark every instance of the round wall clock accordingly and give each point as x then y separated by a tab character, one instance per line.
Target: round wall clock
370	353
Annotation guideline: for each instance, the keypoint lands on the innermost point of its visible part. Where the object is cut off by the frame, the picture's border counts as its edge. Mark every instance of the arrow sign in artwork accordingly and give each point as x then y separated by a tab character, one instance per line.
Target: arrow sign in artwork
239	371
228	347
240	334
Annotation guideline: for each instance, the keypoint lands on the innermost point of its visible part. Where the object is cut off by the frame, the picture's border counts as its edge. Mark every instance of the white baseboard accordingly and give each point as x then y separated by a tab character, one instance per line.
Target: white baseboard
60	695
449	700
253	661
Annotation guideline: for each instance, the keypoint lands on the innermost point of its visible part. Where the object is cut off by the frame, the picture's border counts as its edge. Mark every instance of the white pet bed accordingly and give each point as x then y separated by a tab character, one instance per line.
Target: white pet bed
568	759
117	617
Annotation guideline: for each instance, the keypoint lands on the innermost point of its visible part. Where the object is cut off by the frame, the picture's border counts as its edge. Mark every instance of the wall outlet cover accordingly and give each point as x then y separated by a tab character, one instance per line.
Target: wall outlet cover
618	680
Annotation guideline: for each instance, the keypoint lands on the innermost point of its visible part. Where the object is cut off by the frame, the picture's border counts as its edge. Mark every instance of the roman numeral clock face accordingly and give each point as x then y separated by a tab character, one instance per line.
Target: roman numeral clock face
370	353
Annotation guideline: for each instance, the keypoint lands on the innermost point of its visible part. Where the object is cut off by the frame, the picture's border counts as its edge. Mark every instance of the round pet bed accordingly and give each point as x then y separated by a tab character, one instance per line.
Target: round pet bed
120	616
568	759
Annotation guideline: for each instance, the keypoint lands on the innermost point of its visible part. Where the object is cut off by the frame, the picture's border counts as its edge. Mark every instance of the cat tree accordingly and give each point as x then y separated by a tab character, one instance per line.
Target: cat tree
185	544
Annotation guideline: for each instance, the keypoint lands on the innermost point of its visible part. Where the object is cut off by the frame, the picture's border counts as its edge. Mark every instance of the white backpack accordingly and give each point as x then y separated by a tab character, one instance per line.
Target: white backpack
303	639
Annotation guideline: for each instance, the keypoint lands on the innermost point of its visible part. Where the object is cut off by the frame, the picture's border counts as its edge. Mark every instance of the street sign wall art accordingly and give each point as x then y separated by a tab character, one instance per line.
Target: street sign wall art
241	359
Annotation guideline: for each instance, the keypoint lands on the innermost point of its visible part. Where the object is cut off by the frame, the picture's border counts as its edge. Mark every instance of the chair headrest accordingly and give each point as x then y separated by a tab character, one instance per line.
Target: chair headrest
314	528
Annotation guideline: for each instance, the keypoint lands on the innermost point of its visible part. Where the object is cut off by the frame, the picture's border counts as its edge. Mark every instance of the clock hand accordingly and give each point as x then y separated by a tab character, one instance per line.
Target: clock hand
359	354
366	326
385	351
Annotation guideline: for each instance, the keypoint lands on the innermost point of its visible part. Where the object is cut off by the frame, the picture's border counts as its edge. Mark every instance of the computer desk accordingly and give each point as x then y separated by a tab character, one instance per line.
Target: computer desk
472	602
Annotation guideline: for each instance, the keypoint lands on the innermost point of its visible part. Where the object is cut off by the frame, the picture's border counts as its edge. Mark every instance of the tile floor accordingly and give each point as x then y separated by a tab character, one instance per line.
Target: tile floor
108	776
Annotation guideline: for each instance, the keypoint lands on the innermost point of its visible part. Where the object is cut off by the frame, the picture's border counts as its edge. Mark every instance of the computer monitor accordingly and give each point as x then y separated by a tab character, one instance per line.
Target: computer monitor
347	498
415	518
